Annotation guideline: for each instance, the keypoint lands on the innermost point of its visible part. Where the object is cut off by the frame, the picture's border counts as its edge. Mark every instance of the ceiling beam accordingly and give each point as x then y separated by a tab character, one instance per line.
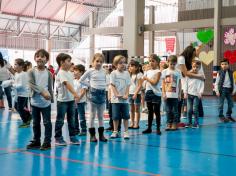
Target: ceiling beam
40	18
0	6
88	4
35	7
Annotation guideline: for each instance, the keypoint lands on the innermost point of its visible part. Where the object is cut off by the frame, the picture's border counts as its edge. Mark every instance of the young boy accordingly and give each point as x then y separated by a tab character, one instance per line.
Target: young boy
193	91
225	88
65	100
80	105
40	83
171	92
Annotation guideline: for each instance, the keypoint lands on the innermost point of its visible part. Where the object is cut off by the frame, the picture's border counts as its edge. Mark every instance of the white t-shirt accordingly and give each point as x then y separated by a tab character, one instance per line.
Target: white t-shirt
63	94
21	84
78	86
4	73
155	88
121	80
41	78
181	61
134	83
94	78
172	80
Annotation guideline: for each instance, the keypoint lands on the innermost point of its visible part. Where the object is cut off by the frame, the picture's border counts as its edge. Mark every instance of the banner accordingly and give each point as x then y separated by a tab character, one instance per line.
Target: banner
170	45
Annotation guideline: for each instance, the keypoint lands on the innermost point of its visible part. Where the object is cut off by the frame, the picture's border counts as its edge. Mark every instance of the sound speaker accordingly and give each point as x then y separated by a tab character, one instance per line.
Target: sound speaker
110	54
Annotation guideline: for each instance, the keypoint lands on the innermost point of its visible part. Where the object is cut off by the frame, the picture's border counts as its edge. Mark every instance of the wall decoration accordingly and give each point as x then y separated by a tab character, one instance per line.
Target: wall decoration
230	56
205	36
230	37
206	58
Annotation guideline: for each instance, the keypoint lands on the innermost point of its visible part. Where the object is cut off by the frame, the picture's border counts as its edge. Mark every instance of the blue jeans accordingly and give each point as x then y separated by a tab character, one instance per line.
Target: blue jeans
120	111
20	107
192	108
172	110
225	94
97	96
64	108
7	91
80	111
36	114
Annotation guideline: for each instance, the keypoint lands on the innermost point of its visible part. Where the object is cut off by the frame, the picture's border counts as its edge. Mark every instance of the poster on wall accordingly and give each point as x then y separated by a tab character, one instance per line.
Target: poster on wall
170	45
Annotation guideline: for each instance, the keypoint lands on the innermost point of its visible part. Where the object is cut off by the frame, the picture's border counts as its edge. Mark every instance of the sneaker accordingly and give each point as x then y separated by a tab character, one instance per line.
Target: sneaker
181	125
115	134
145	110
231	119
74	140
109	129
33	145
188	125
195	125
158	132
168	127
60	142
224	120
126	135
83	133
24	125
174	127
147	131
45	146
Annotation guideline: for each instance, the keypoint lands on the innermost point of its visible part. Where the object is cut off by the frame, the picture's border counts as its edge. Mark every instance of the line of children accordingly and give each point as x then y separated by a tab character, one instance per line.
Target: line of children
124	89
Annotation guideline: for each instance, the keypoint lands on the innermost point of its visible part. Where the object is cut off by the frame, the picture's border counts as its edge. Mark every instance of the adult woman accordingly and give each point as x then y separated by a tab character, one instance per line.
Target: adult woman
184	65
5	67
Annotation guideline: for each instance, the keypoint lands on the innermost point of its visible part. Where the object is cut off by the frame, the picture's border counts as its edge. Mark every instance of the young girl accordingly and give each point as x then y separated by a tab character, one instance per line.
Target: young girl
120	82
22	92
153	93
95	79
80	105
135	94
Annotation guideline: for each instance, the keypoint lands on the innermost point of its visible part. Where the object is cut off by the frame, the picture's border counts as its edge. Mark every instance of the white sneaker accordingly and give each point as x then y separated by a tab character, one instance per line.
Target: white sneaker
115	134
126	135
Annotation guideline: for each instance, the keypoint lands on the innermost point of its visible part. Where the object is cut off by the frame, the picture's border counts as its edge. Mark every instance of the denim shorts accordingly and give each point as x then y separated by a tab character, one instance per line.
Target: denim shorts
97	96
137	101
151	97
120	111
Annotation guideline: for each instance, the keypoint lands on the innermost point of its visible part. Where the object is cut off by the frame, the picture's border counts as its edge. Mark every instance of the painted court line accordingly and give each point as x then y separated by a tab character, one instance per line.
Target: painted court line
78	161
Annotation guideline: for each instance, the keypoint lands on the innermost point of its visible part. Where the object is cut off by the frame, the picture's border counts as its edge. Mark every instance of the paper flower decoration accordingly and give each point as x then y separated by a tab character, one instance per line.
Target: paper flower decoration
230	37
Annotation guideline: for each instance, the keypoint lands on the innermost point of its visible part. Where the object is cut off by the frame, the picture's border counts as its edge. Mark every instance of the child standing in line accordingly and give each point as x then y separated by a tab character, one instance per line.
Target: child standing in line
80	105
225	89
66	97
40	83
120	82
95	79
153	93
193	91
135	94
171	92
21	85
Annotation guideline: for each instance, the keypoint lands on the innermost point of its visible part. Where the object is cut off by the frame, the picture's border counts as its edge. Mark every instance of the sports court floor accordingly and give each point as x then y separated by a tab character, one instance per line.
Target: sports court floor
207	151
